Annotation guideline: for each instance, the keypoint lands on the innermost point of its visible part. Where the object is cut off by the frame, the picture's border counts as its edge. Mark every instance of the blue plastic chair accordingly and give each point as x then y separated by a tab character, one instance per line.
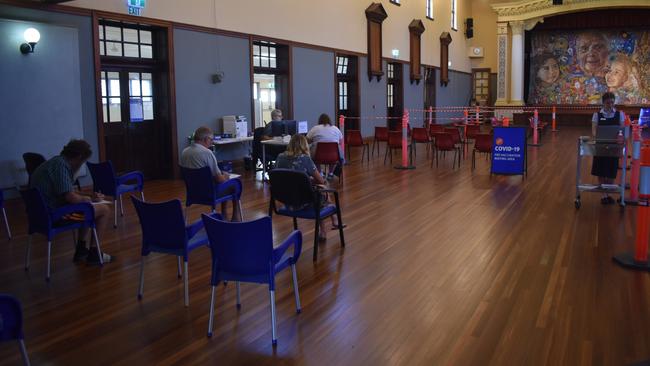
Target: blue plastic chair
243	252
294	189
11	323
105	182
200	189
49	222
4	213
164	231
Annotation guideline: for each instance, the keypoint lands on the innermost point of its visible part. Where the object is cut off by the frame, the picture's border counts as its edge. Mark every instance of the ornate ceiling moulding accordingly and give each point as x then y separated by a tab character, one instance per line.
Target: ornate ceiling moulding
529	9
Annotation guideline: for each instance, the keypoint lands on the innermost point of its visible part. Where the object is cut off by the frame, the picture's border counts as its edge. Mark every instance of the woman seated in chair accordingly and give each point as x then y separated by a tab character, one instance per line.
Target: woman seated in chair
296	157
324	131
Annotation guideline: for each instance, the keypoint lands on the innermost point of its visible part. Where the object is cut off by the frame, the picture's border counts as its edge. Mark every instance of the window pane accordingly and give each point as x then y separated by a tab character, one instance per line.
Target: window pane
130	35
147	104
104	94
113	84
146	52
145	37
272	63
265	62
345	69
135	107
134	84
265	51
146	84
256	50
105	109
102	50
256	61
272	51
113	33
131	50
113	49
101	32
115	109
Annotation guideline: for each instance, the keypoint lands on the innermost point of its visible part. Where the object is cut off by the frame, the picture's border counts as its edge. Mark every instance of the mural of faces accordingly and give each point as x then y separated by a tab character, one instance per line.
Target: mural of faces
568	67
592	52
549	71
617	75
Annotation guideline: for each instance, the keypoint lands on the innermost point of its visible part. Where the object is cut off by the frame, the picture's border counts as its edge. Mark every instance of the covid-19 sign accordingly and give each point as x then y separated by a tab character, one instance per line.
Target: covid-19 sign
509	150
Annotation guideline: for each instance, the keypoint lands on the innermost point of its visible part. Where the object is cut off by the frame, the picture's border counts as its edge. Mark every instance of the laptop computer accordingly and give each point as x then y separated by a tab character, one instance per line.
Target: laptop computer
607	133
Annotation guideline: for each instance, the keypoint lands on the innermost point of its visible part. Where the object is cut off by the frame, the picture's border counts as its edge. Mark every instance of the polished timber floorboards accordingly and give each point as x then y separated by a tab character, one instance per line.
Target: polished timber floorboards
441	267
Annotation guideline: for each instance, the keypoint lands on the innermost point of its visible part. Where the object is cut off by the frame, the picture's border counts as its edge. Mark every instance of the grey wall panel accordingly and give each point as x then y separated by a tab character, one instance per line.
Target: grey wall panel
78	60
40	94
414	98
373	99
457	93
313	84
200	102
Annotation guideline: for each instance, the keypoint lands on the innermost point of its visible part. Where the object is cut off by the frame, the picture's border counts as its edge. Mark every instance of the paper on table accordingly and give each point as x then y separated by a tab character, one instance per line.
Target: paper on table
101	202
233	175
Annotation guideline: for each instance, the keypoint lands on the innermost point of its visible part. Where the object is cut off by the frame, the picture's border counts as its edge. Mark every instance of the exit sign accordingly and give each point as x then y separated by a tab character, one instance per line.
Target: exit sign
136	6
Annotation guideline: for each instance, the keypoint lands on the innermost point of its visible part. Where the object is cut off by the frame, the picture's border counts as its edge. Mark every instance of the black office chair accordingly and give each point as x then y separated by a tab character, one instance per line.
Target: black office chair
32	161
272	152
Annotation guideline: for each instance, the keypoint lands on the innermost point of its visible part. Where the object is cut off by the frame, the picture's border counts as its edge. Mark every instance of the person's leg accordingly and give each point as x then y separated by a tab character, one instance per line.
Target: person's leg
224	210
102	215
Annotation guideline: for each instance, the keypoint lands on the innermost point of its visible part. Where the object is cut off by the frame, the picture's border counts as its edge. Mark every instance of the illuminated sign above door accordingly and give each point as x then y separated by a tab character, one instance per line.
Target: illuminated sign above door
136	6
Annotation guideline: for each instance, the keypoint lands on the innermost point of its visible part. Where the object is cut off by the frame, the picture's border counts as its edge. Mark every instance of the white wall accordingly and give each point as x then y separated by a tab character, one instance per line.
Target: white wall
336	23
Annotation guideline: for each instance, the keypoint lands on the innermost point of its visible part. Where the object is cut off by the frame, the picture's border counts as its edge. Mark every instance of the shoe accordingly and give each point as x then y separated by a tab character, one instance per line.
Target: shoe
93	257
336	227
80	253
607	200
322	238
330	176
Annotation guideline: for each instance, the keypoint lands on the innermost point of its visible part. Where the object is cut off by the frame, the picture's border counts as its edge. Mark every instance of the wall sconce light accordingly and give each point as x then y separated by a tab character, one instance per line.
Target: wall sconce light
395	53
31	37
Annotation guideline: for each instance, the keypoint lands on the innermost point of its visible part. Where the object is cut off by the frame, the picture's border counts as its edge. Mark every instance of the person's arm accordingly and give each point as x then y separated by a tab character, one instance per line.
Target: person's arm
310	134
73	197
312	171
218	175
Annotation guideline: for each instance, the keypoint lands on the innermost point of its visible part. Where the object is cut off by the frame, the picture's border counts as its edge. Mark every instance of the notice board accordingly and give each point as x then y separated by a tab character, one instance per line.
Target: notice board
509	151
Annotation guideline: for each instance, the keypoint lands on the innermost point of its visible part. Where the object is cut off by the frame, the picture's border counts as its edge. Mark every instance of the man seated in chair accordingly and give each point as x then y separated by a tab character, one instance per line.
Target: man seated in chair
199	155
55	180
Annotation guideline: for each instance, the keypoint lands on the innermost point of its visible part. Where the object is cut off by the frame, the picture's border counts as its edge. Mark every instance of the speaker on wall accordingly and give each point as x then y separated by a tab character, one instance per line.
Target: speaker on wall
469	30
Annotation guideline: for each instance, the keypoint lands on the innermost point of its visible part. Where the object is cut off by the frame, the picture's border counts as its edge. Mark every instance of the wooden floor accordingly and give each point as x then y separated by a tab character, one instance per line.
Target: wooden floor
441	267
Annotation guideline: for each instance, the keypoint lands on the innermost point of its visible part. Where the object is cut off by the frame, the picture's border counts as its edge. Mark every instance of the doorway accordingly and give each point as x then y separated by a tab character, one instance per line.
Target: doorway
134	84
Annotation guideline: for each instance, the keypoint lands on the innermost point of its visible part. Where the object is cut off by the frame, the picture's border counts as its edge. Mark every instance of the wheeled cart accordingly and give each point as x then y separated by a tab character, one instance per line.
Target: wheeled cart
589	147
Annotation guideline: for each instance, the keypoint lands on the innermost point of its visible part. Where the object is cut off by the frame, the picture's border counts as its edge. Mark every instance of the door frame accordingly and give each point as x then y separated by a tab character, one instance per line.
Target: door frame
168	26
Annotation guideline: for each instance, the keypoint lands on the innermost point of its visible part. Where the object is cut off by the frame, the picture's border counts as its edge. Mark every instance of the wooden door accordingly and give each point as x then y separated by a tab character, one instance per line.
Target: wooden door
133	134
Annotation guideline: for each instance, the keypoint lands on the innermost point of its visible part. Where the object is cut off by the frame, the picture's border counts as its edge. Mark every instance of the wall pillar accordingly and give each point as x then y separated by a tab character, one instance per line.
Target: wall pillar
517	59
502	64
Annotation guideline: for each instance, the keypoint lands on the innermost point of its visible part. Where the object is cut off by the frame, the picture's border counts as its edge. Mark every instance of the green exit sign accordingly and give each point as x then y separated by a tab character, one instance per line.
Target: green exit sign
135	6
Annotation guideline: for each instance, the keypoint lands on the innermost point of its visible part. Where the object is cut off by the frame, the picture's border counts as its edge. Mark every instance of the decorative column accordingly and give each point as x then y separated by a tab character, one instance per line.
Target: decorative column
517	68
502	64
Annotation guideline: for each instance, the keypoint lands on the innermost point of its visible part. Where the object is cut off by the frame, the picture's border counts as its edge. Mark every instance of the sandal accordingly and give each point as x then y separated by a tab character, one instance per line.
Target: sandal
336	227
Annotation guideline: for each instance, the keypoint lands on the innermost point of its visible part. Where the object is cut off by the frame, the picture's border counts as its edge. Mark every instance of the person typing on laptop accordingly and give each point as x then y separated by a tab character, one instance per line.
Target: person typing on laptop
606	167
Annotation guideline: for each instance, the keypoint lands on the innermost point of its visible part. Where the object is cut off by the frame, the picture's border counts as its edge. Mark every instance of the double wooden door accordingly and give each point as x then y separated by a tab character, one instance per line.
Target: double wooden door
135	133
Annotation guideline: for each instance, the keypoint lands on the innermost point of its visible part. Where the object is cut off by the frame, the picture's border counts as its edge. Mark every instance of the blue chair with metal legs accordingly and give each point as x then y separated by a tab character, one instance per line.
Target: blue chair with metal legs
11	323
164	231
4	213
243	252
106	182
49	222
200	189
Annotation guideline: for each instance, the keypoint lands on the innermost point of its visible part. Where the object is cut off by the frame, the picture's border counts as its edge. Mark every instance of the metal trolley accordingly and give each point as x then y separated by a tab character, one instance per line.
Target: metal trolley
589	147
